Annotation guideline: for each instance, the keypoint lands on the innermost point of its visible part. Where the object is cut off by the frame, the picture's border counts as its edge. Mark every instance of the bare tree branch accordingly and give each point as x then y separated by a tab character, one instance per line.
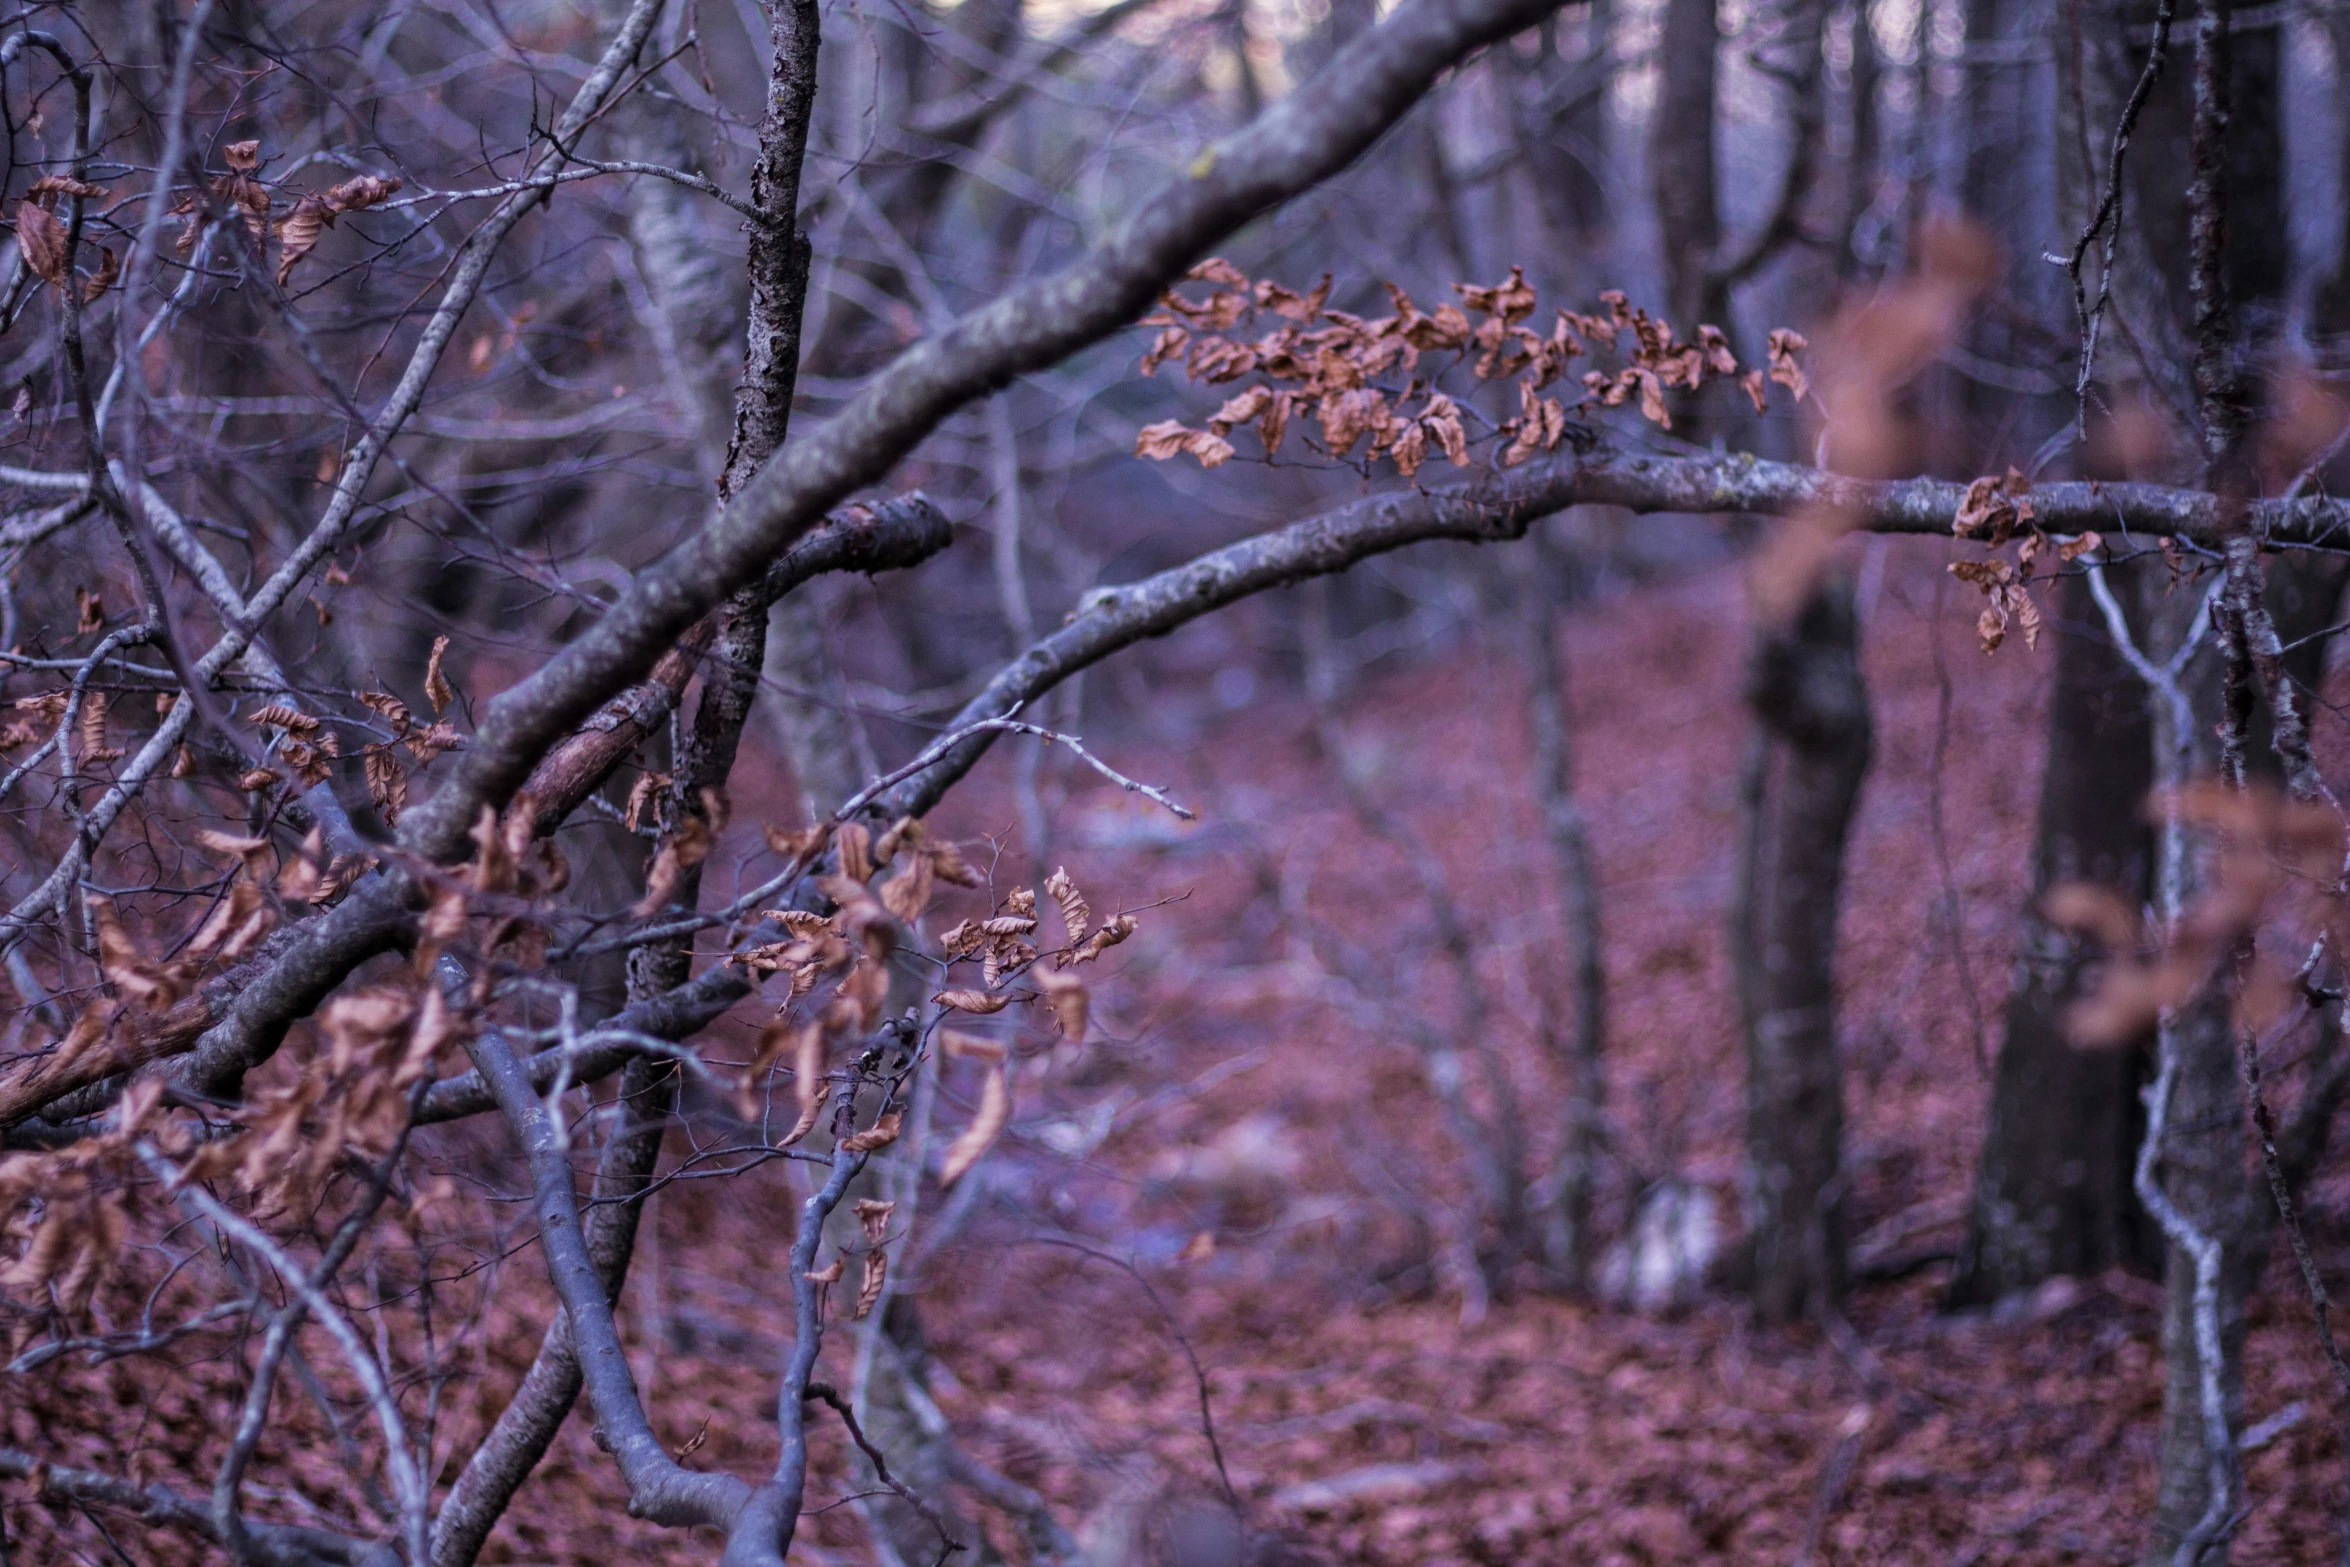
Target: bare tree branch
1306	137
274	1545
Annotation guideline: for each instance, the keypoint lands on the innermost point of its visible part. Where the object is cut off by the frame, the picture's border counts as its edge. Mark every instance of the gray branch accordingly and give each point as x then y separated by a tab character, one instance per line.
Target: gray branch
1306	137
272	1545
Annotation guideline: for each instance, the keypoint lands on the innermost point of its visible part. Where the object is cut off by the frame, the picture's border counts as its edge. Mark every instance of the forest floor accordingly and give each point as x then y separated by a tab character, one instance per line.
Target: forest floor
1261	1180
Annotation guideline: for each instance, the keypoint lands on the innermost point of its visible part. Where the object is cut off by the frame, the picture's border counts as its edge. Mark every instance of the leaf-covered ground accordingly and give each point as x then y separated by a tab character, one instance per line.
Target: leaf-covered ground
1248	1163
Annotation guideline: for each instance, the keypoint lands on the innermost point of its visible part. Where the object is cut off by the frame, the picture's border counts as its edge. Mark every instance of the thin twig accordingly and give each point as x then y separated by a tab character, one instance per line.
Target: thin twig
825	1392
2107	219
1199	1375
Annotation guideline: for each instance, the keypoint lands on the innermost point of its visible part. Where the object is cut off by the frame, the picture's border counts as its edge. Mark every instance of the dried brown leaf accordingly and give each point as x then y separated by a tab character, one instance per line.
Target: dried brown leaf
877	1136
974	1001
1783	346
1065	993
971	1047
855	842
1507	302
987	1124
108	274
40	238
387	782
437	690
907	894
1113	931
1076	913
810	1110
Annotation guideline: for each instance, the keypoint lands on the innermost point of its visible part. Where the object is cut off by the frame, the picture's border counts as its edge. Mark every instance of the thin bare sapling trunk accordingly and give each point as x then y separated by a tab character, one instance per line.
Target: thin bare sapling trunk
1806	760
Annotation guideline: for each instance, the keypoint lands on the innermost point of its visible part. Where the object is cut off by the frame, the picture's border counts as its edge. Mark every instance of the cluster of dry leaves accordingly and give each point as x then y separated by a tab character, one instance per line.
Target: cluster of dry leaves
46	240
1996	508
68	1209
305	745
851	948
1328	365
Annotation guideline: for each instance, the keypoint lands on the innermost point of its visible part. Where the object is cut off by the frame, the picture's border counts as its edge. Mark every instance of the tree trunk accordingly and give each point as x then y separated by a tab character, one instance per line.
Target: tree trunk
2219	1222
2331	308
2007	183
2203	1173
2195	1164
1566	1198
1558	108
1806	761
2304	591
1681	160
1864	150
2052	1192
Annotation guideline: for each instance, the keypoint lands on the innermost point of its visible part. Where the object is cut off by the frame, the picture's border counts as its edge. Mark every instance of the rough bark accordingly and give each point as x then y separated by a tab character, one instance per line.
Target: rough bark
2052	1190
2203	1171
1807	758
2220	1232
1558	108
2007	185
2304	591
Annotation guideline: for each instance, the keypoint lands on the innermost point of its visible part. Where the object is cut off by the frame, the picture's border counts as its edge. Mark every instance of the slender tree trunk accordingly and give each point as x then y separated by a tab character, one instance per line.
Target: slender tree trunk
2332	304
1584	123
527	1425
1806	761
2220	1225
1864	147
2195	1165
2052	1191
1558	107
1567	1196
1682	162
2008	184
2204	1174
2304	593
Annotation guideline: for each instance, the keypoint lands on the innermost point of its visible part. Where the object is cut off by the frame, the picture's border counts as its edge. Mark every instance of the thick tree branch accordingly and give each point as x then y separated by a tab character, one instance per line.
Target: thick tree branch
236	1020
1494	508
527	1425
659	1488
1501	506
898	534
1302	140
273	1545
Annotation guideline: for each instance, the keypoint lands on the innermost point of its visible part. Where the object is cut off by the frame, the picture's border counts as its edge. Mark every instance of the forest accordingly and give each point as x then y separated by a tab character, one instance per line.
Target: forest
1193	783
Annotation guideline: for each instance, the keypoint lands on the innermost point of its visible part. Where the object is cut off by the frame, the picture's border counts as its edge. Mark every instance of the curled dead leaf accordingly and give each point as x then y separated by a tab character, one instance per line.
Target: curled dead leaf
41	238
978	1002
437	689
987	1124
1065	993
1076	914
877	1136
